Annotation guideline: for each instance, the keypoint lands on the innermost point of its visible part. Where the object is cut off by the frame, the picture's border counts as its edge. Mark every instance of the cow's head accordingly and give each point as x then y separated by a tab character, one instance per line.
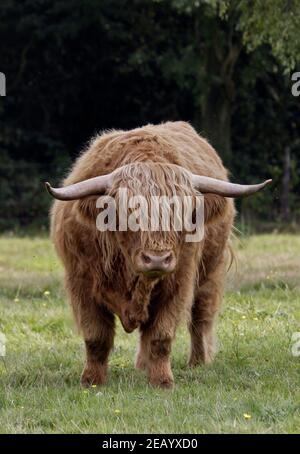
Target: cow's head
146	194
150	197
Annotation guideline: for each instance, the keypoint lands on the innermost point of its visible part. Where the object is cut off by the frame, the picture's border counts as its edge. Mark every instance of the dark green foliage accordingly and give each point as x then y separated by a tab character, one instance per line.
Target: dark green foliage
74	68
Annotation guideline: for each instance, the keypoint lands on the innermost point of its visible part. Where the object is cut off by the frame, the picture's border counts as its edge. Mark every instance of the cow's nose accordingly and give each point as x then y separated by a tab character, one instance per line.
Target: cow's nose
151	262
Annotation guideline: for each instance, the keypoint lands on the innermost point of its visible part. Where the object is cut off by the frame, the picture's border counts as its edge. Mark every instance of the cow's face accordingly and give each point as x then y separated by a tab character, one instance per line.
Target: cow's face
153	256
150	207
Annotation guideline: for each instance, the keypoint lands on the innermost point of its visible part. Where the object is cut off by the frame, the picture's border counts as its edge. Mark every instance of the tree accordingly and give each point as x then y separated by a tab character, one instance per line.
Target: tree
223	30
74	68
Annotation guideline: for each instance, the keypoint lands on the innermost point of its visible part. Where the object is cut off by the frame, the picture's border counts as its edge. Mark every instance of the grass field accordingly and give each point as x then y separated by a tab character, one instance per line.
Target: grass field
253	386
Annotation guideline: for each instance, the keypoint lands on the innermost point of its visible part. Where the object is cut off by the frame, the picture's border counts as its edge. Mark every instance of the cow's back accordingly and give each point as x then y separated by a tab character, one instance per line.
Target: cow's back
171	142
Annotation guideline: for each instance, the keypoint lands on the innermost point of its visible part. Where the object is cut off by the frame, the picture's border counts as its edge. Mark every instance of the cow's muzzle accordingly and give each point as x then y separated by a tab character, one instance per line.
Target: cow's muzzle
155	264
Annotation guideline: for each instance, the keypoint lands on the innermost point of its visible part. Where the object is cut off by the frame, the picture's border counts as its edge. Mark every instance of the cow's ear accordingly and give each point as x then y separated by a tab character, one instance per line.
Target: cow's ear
215	206
87	209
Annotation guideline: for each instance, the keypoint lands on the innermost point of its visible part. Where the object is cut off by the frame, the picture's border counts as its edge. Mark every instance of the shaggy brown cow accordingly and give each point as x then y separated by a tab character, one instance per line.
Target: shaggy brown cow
151	280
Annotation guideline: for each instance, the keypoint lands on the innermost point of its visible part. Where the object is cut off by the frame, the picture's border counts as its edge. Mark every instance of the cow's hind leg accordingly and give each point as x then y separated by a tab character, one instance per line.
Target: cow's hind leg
141	358
201	326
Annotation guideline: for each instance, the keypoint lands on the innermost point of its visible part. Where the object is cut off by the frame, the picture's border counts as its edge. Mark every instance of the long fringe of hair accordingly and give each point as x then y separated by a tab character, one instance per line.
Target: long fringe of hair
149	180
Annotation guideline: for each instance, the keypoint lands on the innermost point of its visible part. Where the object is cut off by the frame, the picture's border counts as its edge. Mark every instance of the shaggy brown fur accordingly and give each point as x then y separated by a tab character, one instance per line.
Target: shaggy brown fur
100	274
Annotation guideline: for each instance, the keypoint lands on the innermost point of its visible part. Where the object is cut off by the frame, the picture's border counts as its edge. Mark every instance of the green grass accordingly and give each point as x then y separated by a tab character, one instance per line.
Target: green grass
254	372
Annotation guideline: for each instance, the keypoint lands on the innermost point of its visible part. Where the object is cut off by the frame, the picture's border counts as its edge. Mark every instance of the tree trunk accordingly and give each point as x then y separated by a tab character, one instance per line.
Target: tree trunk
284	200
216	123
221	57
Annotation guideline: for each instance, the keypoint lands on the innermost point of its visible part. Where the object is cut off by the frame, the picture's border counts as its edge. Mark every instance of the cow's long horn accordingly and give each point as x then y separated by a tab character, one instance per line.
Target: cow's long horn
224	188
92	186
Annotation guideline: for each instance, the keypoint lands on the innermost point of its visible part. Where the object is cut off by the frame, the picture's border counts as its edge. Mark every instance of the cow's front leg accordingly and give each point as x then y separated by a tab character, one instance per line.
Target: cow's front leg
97	352
156	337
154	356
98	327
96	323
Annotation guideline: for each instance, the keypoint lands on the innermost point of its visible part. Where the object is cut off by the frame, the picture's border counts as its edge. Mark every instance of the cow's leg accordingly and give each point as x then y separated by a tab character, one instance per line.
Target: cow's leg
206	304
98	345
154	355
97	326
156	339
141	357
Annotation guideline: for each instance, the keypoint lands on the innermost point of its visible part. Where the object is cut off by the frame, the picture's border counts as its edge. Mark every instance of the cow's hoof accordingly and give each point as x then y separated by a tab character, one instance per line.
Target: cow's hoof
91	378
162	382
195	362
204	356
201	361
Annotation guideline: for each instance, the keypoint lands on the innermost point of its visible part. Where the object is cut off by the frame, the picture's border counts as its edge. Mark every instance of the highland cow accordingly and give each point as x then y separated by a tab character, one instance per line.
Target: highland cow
151	280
